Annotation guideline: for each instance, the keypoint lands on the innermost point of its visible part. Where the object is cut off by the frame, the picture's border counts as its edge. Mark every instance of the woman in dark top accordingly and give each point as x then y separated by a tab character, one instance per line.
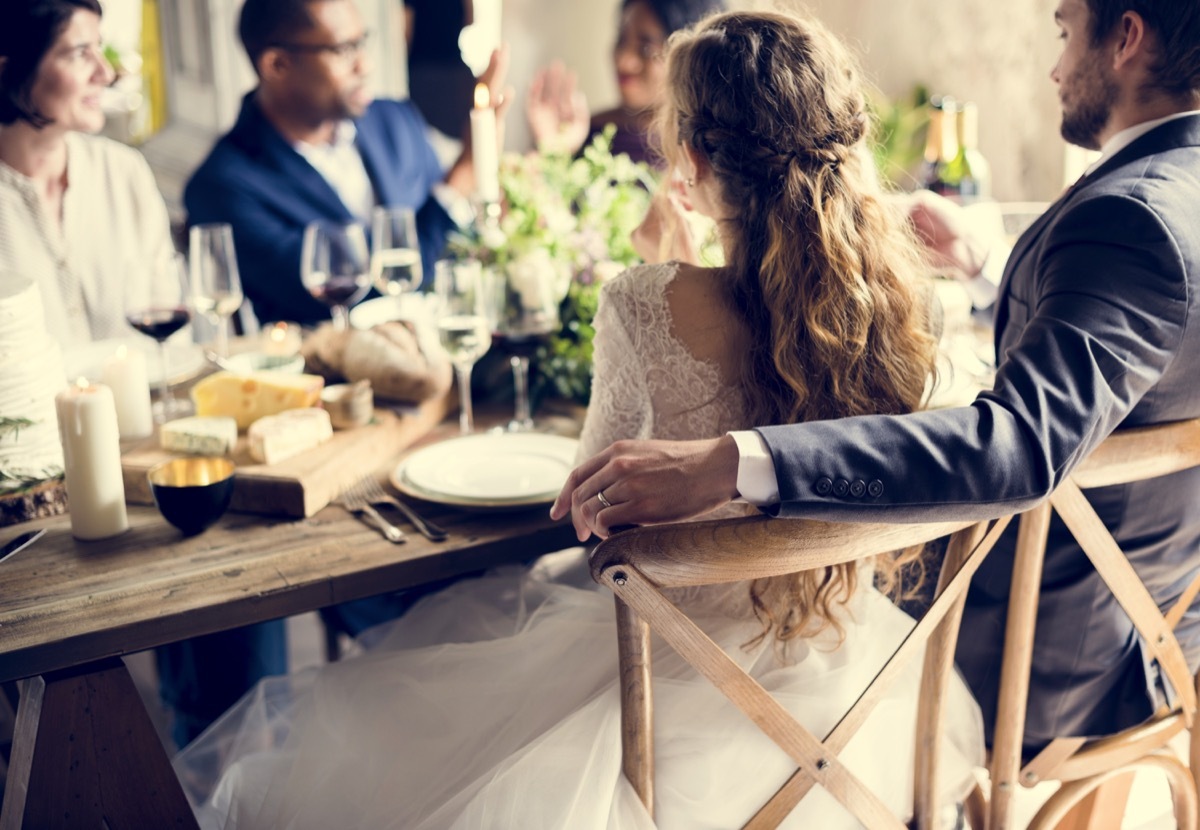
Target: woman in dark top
558	115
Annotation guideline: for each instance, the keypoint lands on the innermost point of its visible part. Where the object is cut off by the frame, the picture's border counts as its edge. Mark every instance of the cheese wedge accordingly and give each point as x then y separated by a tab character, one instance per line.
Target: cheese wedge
248	397
276	437
213	435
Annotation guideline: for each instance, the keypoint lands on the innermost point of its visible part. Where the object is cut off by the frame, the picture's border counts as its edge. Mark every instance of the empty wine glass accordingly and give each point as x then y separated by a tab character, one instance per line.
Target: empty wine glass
462	324
524	311
335	266
216	285
158	308
396	253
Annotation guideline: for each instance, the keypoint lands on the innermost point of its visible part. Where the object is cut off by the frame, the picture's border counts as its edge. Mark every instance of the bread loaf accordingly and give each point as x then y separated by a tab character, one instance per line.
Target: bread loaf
391	356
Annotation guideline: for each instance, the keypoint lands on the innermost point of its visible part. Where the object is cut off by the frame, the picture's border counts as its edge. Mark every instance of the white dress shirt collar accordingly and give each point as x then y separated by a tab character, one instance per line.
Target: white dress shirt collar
341	165
1127	136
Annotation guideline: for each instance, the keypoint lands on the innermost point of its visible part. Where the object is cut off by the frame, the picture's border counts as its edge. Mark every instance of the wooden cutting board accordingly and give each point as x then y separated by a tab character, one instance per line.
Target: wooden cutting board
300	486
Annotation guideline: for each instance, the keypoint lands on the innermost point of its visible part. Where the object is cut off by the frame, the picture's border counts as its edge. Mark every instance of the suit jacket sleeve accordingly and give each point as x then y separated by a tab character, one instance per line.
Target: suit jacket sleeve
1104	321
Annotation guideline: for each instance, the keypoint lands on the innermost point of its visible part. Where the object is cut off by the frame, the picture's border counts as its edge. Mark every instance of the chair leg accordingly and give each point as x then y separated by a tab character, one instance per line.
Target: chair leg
637	703
1102	808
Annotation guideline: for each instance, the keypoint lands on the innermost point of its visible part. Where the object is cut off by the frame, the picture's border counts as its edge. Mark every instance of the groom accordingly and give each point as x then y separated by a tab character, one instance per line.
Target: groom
1097	326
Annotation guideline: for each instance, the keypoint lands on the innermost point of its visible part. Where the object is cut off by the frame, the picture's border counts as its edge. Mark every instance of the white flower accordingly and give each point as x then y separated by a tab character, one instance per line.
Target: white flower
606	270
538	279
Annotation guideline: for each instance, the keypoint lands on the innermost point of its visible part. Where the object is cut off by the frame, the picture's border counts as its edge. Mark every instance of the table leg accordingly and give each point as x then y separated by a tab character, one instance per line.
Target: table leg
85	754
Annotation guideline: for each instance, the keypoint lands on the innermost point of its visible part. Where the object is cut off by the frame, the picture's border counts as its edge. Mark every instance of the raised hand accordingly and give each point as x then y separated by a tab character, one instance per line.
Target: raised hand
648	482
557	110
950	242
665	233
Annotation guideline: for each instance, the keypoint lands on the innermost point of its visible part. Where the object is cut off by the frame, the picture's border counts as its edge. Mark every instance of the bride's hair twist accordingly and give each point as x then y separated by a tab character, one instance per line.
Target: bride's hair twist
823	270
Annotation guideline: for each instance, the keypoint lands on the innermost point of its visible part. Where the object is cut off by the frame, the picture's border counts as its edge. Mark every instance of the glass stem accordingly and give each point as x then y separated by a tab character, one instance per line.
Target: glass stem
222	324
522	417
165	400
341	318
466	420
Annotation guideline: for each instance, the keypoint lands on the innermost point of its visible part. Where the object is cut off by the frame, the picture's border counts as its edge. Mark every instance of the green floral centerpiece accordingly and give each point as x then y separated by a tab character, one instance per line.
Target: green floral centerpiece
572	216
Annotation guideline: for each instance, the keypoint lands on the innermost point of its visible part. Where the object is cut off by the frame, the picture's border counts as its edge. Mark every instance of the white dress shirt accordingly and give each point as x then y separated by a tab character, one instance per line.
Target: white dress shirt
341	165
114	231
756	479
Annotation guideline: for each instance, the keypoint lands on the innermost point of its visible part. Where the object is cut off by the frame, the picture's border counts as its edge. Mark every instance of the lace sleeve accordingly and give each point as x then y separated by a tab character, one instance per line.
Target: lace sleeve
620	406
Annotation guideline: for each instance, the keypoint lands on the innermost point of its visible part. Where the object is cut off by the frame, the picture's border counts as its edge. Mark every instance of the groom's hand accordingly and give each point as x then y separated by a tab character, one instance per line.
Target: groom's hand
648	482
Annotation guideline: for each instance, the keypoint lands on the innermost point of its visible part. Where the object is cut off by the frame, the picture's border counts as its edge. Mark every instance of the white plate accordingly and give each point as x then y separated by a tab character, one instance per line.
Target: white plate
489	470
384	309
184	360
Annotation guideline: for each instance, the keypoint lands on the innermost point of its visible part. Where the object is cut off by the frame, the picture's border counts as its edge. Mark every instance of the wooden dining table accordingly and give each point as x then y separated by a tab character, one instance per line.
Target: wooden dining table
84	751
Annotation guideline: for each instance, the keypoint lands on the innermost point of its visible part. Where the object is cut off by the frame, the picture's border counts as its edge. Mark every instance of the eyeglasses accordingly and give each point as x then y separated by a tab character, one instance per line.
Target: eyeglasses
347	50
647	50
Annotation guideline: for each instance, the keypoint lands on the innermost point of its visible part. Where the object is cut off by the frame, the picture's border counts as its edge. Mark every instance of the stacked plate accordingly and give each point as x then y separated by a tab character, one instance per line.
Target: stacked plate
489	470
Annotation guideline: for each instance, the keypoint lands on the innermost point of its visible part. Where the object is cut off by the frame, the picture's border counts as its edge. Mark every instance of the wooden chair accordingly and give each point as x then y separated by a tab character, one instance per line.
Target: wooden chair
1084	766
637	564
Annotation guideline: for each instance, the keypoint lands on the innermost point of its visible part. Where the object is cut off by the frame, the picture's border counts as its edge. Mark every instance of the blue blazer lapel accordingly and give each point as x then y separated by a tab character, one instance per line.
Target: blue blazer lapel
381	166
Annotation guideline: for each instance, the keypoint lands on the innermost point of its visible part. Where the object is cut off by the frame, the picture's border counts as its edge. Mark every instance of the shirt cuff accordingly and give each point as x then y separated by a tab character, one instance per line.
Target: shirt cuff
455	204
984	287
756	481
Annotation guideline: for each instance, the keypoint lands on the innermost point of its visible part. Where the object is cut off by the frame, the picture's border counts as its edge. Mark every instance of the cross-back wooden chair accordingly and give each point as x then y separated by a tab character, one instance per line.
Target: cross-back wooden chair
1083	766
637	564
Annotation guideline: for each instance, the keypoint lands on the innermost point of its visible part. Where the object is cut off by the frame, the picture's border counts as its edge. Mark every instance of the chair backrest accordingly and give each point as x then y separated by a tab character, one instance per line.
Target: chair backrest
638	563
1126	456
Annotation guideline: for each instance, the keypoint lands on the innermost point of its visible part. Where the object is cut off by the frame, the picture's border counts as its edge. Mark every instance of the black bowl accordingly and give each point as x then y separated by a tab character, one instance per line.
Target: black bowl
192	493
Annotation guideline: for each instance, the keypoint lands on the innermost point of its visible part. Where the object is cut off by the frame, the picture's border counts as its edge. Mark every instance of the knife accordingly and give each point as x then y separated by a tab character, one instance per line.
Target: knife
21	542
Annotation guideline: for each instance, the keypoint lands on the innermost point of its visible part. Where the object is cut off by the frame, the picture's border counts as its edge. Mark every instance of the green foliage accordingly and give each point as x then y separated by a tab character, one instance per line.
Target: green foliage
899	131
575	215
17	480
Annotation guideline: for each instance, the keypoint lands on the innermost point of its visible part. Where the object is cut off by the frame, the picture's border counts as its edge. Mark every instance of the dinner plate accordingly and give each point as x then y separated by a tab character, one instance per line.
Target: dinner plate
184	360
507	469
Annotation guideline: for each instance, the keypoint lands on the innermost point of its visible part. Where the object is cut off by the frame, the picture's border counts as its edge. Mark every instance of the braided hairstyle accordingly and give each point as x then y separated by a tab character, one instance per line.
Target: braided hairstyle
821	269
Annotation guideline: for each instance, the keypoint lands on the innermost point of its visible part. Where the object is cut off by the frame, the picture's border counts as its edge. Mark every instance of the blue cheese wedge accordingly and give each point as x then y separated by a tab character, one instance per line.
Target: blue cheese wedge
276	437
204	435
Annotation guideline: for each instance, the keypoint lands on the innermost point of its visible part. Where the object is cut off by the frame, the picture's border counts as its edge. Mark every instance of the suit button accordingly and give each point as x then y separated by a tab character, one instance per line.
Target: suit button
875	489
841	487
823	486
857	488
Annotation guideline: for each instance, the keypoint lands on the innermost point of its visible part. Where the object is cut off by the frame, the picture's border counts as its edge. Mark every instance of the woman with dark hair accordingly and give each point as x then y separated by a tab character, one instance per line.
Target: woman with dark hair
495	704
557	111
79	213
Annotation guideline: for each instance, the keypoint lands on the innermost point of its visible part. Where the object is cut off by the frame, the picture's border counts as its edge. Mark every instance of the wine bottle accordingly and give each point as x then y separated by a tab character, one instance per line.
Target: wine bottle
969	167
941	148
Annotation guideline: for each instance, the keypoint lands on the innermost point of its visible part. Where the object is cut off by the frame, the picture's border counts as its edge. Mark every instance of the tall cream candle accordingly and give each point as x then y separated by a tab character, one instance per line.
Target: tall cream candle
87	424
125	375
485	152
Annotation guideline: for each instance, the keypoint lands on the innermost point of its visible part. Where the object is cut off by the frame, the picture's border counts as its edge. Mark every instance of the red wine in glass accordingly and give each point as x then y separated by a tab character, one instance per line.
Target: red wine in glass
342	290
159	323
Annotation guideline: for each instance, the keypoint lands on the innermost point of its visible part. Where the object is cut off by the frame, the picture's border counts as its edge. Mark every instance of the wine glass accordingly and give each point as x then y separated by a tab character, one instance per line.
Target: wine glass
462	324
216	285
396	253
158	310
335	266
524	313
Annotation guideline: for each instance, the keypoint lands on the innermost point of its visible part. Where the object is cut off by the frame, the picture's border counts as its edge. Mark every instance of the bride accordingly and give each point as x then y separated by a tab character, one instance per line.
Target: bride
494	704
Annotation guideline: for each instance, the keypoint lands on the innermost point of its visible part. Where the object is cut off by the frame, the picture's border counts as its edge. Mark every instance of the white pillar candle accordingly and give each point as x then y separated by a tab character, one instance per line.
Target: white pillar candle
125	375
87	424
485	153
281	339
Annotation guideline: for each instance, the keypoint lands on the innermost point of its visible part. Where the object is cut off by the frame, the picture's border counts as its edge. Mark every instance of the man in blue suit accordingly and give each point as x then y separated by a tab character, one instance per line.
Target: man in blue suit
1097	326
310	143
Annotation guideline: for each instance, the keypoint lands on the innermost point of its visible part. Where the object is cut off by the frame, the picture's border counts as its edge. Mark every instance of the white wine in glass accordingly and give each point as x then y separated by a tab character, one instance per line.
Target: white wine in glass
395	251
216	283
464	330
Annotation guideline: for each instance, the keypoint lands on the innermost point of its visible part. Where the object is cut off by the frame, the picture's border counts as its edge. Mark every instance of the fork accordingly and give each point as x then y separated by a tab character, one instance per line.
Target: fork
354	498
375	494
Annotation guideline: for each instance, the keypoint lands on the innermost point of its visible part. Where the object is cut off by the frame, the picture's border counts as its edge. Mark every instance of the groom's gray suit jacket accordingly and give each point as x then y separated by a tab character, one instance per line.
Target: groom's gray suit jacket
1097	327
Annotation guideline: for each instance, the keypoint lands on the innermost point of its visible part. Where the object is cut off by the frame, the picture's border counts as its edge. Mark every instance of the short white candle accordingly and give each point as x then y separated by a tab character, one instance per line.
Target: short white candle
87	424
281	339
125	375
485	153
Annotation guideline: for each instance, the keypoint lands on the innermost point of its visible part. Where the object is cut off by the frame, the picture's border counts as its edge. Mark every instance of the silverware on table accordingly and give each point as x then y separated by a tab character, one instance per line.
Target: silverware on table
19	542
354	498
377	495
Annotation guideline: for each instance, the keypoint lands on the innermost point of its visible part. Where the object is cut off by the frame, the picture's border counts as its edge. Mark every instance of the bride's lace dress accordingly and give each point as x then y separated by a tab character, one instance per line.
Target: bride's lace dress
494	703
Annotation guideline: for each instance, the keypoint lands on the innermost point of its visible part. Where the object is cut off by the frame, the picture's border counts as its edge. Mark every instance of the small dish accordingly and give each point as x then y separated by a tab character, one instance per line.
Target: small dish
247	362
192	493
349	405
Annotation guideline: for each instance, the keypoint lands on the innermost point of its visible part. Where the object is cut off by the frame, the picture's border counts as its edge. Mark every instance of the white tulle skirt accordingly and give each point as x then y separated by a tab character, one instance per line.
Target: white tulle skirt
494	704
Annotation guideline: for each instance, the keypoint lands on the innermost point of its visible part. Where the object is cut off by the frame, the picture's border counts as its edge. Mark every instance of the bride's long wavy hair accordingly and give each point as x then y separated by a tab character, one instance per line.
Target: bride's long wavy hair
823	271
